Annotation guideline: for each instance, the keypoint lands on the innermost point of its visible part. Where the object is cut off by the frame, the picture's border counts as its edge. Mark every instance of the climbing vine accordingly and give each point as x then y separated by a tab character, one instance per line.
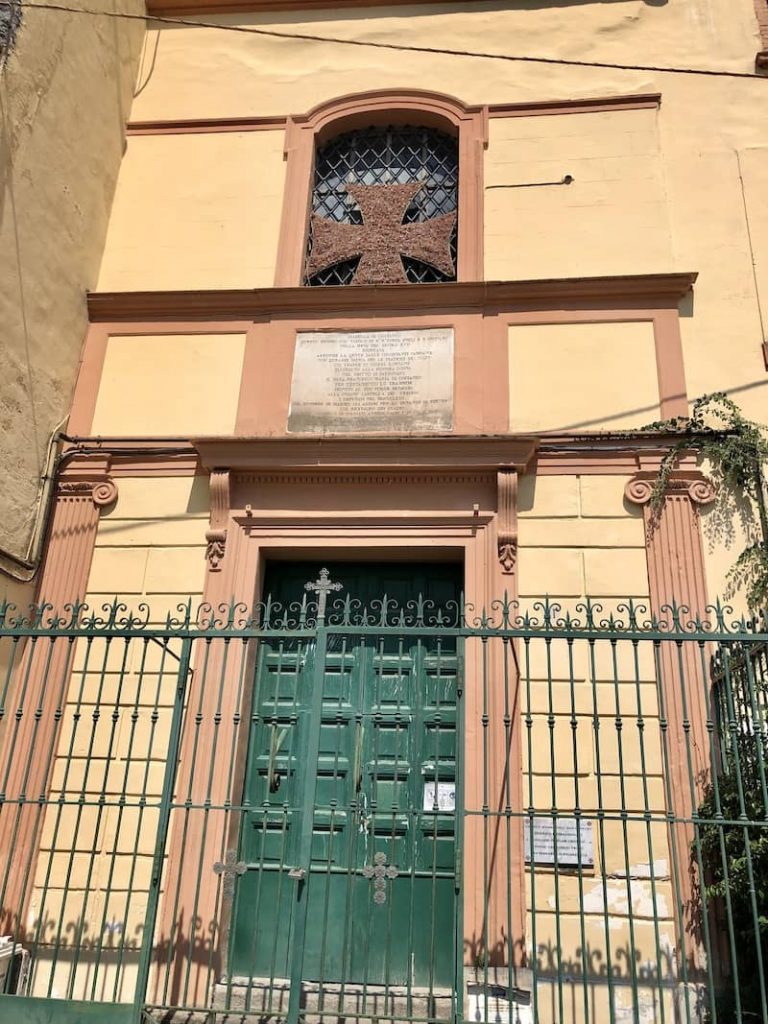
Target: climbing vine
736	450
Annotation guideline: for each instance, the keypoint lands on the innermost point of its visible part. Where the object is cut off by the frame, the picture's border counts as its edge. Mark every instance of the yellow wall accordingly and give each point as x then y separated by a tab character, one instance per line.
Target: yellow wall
170	385
578	537
583	376
151	545
612	219
65	93
208	206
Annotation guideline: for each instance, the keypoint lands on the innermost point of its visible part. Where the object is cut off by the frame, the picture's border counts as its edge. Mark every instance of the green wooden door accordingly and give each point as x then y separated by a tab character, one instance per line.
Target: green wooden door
382	899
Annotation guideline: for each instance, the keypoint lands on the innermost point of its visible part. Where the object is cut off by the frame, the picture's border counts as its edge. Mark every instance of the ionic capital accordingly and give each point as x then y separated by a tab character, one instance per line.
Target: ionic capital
699	489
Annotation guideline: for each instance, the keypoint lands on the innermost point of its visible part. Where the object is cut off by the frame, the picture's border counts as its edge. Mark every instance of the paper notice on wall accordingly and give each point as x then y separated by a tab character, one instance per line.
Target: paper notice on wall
492	1005
444	800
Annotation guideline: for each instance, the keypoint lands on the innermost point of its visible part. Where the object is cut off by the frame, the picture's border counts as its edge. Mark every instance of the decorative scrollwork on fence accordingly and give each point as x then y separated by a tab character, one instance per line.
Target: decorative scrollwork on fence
237	619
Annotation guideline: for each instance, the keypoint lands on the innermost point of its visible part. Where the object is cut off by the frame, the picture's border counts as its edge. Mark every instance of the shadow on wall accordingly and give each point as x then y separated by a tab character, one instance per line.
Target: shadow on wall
363	12
473	6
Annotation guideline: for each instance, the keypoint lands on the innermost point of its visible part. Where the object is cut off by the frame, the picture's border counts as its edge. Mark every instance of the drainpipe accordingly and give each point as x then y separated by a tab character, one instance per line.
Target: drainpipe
23	570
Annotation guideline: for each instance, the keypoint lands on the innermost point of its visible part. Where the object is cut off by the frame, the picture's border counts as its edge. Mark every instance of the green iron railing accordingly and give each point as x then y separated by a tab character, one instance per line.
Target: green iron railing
405	812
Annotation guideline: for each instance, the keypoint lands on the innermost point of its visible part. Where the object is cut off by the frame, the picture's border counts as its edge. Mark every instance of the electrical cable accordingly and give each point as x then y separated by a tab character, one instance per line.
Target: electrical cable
369	43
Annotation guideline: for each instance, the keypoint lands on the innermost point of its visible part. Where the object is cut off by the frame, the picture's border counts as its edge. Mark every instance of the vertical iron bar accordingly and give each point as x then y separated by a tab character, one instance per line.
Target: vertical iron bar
309	788
640	722
174	739
601	826
458	883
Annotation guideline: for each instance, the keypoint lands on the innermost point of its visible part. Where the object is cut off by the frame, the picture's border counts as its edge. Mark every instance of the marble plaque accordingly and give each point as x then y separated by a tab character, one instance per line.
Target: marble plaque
567	845
372	382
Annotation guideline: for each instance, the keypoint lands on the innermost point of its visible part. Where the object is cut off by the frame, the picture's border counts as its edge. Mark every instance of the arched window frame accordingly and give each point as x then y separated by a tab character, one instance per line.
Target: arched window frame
304	134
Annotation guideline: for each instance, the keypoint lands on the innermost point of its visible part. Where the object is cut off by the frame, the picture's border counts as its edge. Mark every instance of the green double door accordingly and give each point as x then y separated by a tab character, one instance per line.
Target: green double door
381	884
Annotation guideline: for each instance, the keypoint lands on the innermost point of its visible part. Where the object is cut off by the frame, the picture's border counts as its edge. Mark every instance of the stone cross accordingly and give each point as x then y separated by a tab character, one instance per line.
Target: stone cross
380	872
322	587
230	869
382	238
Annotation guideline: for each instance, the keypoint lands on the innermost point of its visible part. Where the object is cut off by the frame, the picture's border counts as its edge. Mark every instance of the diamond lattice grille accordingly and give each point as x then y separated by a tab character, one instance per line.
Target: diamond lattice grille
386	156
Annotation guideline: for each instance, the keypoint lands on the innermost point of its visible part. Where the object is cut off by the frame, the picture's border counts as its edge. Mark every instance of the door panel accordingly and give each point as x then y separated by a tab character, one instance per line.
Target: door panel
381	887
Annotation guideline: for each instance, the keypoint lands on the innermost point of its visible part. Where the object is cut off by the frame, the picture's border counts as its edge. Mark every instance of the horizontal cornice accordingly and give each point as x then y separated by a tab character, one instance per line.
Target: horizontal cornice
297	458
278	122
402	454
248	304
162	8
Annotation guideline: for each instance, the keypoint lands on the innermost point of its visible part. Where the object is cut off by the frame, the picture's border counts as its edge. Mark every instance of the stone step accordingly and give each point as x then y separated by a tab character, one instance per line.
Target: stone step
247	1000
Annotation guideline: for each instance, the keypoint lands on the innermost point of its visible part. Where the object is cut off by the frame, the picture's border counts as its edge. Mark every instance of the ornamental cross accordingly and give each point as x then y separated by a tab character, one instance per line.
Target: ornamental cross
322	587
230	869
380	873
382	239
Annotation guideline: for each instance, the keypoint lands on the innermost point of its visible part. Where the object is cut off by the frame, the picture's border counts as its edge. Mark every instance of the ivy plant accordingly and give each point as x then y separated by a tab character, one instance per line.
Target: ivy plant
736	450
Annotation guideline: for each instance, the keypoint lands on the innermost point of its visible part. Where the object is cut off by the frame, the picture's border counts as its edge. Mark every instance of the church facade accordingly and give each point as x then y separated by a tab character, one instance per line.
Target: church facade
400	704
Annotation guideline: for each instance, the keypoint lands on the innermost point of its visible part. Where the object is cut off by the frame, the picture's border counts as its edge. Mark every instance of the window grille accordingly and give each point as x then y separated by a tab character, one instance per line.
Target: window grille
386	156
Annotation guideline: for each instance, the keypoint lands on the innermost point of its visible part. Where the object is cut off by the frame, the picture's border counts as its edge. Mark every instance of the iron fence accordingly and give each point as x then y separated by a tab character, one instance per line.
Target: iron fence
399	811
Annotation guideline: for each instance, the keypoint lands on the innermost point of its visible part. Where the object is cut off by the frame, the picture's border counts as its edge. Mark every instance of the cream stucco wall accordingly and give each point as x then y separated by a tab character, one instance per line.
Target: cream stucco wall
211	217
579	538
169	384
584	376
611	219
65	92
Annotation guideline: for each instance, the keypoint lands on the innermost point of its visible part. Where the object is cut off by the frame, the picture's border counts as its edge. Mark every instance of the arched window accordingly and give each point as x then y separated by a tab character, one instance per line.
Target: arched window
384	208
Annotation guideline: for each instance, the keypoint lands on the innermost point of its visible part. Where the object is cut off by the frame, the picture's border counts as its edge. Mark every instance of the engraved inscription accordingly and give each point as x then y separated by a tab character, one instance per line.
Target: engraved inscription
573	848
372	382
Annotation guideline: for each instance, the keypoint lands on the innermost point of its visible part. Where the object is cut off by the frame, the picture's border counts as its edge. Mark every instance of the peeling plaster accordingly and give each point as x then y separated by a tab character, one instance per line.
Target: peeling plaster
643	870
618	902
10	22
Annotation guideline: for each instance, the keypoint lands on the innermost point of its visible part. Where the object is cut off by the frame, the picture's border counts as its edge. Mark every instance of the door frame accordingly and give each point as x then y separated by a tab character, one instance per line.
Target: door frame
455	507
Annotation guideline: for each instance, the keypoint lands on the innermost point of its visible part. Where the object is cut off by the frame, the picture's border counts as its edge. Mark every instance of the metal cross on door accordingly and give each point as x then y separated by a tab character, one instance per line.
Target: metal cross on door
379	872
323	587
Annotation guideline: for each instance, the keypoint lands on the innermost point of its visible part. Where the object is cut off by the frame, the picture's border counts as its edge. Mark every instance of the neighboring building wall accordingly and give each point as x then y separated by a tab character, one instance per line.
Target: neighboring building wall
65	94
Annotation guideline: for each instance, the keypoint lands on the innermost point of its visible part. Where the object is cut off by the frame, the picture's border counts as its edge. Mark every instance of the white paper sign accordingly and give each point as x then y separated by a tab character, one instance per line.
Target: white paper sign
496	1008
446	797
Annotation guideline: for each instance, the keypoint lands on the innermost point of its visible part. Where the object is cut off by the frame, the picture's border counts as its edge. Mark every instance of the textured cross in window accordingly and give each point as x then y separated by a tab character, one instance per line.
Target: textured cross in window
382	239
